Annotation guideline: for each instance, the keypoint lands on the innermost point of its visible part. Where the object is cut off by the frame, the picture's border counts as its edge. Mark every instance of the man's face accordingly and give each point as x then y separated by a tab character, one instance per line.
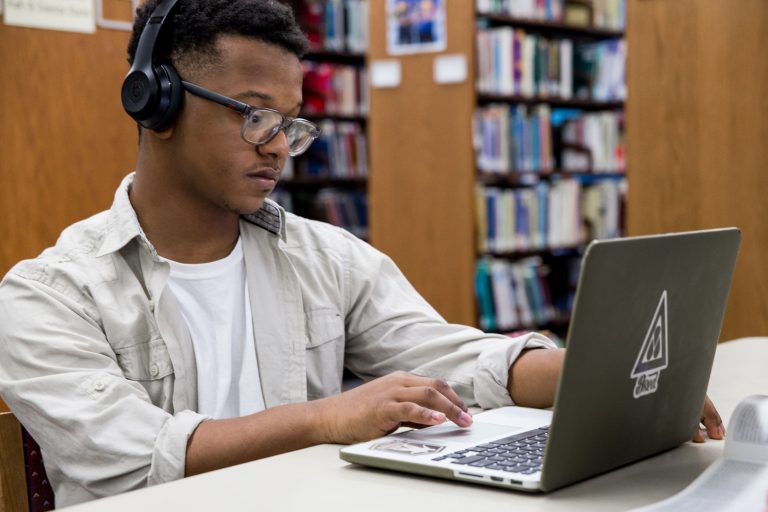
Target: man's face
213	163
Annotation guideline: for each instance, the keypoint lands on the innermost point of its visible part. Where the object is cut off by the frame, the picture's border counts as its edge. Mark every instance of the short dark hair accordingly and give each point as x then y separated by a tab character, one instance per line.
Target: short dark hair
188	41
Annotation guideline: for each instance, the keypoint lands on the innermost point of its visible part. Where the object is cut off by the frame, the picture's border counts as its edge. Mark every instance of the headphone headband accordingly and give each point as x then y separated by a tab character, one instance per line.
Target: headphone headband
149	35
152	94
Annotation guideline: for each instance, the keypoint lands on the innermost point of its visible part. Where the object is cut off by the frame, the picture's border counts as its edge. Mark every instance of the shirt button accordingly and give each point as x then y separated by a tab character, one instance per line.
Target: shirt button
151	307
154	370
98	385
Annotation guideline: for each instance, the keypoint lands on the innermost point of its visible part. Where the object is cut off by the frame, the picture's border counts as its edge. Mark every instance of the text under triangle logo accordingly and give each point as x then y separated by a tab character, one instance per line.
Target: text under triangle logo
654	354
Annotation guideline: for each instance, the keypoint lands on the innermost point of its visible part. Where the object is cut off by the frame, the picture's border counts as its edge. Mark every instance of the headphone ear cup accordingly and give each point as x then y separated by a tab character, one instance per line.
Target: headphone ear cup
139	95
170	98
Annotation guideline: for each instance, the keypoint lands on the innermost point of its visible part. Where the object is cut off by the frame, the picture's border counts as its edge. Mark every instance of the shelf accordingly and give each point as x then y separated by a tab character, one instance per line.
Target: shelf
484	98
551	27
337	57
323	181
335	117
525	179
519	254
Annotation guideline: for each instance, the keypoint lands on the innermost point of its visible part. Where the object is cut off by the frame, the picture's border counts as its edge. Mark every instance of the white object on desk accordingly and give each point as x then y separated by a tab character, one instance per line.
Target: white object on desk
737	482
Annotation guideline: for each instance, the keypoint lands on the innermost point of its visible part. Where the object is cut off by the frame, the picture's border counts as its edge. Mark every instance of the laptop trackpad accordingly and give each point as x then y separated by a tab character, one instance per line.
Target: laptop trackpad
450	433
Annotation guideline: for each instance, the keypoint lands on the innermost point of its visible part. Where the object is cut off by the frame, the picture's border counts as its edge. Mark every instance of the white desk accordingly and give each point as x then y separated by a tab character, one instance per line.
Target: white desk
316	479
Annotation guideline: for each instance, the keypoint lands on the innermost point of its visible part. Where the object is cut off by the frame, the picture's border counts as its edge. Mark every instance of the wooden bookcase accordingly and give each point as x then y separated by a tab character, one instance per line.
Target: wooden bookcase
423	169
303	190
698	128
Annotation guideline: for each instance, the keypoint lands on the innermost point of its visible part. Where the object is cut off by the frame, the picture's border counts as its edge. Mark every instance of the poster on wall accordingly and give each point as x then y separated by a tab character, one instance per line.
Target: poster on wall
415	26
65	15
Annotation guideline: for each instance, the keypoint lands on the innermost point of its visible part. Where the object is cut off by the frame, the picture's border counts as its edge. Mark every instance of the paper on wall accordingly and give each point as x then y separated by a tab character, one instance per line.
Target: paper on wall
65	15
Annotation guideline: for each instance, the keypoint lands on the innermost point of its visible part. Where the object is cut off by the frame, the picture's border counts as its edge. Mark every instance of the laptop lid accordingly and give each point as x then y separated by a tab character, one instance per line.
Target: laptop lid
640	347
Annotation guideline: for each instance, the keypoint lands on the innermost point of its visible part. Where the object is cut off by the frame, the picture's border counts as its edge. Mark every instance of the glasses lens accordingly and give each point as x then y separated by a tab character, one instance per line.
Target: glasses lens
261	125
300	135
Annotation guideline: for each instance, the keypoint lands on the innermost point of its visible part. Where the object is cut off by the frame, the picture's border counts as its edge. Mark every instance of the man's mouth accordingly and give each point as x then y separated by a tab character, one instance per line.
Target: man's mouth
266	176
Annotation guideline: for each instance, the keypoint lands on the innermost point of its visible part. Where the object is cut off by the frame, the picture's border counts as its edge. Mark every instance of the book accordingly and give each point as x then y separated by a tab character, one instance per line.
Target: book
514	61
738	480
335	25
339	152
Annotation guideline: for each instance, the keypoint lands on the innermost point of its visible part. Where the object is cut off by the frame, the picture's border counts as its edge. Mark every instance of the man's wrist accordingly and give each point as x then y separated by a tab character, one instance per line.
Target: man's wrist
534	375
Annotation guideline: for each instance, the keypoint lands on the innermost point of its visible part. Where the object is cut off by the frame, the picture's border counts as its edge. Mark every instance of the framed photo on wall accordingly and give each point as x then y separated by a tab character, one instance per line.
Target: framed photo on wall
415	26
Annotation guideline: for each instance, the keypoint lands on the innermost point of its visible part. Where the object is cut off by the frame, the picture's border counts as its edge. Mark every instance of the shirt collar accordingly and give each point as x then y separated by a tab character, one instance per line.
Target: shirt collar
123	224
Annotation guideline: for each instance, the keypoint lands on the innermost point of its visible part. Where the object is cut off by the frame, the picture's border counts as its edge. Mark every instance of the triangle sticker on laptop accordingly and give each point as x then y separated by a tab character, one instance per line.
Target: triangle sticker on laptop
653	355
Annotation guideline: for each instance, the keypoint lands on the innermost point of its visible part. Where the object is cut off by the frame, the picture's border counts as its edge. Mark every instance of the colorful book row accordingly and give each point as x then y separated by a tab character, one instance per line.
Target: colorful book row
513	62
340	152
549	10
608	14
346	209
594	142
343	208
548	216
513	295
336	25
519	138
335	89
514	138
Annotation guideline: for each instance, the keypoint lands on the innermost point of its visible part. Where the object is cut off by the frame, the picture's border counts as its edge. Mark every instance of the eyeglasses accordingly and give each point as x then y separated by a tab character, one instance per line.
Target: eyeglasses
261	125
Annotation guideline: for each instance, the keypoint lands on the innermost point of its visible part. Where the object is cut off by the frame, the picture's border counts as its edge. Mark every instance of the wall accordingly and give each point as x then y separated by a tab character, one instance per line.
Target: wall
422	176
698	129
65	142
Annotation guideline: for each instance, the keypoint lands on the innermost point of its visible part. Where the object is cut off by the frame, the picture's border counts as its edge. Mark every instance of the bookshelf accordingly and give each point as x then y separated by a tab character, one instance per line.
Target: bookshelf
329	181
433	233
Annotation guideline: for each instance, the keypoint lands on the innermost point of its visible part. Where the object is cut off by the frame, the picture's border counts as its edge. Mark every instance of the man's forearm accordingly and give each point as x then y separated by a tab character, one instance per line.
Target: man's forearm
533	377
217	444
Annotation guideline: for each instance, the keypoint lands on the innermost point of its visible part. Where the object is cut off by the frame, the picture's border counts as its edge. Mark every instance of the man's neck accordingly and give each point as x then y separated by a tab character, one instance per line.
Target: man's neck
180	227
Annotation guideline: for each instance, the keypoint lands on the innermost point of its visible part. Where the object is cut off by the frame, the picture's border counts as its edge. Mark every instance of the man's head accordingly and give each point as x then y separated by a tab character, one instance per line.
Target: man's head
247	50
189	35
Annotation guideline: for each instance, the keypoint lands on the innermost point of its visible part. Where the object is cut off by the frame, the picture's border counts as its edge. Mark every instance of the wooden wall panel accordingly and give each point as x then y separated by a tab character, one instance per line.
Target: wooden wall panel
13	483
697	133
421	159
65	142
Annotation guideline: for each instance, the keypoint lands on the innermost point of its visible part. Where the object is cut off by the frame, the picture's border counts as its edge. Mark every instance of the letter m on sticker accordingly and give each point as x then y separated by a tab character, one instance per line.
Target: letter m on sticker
654	353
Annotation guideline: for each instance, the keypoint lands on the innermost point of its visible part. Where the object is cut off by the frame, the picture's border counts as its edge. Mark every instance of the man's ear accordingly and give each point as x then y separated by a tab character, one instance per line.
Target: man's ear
163	135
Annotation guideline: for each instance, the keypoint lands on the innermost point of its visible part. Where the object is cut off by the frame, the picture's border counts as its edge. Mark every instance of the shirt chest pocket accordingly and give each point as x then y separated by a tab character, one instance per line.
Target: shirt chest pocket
149	364
325	353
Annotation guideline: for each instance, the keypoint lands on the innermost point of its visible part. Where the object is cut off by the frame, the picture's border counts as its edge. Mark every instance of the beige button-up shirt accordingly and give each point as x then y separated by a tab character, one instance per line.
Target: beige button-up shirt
97	362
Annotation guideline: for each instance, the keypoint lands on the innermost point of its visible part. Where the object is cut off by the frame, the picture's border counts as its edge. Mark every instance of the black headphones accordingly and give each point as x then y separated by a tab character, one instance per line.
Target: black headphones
152	93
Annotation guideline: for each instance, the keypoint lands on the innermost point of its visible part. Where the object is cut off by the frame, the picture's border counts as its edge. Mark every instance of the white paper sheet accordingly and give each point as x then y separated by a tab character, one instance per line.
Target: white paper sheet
66	15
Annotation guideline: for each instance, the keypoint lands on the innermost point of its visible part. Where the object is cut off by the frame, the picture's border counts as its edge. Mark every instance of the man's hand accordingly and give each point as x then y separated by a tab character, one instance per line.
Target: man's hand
713	425
381	406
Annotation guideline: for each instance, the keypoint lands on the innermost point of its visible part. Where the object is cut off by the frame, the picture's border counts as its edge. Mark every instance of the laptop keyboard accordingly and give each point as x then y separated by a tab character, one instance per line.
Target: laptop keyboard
522	453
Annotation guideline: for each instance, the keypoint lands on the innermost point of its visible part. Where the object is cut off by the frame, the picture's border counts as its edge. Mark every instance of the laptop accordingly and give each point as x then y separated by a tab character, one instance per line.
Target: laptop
641	342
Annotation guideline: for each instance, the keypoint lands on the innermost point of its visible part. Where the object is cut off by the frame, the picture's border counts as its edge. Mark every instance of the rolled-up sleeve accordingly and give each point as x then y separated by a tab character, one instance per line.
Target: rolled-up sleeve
391	327
99	432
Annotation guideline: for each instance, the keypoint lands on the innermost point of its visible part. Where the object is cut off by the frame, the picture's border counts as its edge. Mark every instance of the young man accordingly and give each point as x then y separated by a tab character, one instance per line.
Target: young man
196	325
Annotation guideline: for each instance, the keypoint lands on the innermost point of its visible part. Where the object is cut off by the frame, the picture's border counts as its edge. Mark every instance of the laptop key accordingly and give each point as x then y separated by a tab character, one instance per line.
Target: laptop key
469	460
481	463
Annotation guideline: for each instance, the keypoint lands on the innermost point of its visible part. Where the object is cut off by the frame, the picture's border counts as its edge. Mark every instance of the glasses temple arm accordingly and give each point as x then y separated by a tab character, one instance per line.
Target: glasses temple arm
204	93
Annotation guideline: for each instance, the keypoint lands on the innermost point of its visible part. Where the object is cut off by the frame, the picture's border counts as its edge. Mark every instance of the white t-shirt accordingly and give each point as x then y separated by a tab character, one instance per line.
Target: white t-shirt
215	304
